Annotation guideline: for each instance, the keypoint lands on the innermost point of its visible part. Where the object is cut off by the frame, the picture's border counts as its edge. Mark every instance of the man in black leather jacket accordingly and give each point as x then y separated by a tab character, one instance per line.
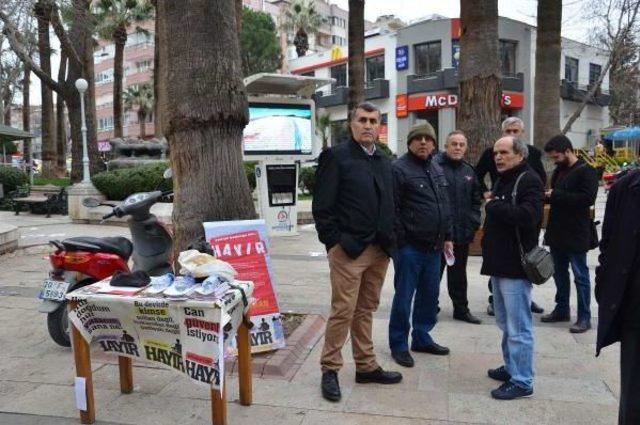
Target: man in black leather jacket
423	229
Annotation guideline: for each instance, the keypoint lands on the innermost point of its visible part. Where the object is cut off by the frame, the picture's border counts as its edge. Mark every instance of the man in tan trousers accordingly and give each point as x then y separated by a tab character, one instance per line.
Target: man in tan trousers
354	214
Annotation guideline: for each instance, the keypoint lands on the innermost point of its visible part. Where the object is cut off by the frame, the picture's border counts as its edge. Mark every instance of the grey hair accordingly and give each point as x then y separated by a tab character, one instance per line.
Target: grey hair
512	121
520	147
365	106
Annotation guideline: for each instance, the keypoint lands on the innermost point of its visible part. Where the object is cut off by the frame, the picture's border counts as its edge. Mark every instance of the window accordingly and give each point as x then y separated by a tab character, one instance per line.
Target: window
138	38
508	57
339	72
338	41
104	76
594	73
338	22
374	68
427	57
571	69
105	124
308	74
144	65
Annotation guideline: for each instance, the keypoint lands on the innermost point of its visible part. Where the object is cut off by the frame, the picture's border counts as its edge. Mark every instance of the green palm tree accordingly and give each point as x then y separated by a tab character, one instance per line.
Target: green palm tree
301	18
113	18
140	98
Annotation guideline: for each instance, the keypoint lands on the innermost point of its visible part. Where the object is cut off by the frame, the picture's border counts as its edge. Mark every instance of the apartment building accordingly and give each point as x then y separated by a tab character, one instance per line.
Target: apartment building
418	63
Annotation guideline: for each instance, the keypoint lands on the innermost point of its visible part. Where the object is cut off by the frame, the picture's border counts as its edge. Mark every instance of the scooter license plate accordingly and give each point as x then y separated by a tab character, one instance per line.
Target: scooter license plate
54	290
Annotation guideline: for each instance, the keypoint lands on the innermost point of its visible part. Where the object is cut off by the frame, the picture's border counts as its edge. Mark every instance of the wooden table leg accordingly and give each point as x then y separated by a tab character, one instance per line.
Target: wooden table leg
126	374
219	405
244	364
82	357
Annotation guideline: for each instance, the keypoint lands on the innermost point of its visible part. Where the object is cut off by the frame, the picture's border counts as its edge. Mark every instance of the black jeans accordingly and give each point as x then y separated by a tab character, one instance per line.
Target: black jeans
630	377
457	278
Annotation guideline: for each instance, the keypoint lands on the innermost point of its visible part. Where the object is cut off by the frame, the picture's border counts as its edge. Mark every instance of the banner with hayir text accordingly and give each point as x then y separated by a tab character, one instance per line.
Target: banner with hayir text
245	245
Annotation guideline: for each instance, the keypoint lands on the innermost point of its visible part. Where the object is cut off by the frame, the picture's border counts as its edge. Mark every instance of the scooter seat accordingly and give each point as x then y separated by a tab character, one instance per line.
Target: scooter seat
117	245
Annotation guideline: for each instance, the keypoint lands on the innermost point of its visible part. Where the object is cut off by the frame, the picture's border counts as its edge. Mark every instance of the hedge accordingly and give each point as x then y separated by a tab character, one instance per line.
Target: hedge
116	185
308	179
11	177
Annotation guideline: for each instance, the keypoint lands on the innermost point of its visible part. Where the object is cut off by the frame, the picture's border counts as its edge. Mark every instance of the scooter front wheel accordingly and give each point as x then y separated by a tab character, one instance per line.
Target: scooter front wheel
58	325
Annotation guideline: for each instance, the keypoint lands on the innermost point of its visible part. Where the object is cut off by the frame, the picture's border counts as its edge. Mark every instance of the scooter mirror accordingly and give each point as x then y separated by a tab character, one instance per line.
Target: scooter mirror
168	173
90	202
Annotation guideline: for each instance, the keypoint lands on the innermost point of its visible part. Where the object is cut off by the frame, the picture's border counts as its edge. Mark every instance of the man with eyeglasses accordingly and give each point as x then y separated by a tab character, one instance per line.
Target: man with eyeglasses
514	127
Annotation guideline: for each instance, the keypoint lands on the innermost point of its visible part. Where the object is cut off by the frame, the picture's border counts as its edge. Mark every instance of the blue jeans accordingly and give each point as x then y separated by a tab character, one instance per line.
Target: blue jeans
416	272
578	262
512	305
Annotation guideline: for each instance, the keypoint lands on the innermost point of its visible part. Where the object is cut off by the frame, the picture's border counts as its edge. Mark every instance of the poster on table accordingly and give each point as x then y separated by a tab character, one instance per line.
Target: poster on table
244	245
181	335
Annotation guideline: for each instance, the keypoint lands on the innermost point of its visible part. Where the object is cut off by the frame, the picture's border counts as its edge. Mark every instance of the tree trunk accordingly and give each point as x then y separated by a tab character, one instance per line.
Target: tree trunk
81	36
26	119
42	10
206	115
157	76
142	118
479	75
546	113
239	8
356	53
6	101
61	132
120	39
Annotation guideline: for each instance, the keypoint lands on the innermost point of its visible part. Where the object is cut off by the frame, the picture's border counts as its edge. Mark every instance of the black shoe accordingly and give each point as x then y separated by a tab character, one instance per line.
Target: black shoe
403	358
433	348
581	326
330	386
554	316
535	308
378	376
467	317
509	391
490	311
499	374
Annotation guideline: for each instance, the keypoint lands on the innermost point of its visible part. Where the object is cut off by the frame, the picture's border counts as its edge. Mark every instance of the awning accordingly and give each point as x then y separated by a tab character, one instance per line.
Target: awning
9	134
631	133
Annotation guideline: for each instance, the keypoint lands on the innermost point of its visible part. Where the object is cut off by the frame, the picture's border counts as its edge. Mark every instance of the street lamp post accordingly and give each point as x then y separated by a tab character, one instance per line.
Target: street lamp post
82	85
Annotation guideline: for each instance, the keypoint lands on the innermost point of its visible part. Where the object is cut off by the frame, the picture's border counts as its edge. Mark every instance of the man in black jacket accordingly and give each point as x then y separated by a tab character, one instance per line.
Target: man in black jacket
423	229
618	289
465	198
570	233
354	214
514	127
505	219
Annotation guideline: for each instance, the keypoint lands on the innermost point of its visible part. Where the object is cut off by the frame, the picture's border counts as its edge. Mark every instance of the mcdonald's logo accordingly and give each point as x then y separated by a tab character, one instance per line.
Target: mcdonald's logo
336	53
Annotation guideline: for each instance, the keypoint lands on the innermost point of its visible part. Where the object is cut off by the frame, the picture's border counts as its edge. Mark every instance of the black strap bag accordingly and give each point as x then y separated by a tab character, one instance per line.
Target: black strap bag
537	263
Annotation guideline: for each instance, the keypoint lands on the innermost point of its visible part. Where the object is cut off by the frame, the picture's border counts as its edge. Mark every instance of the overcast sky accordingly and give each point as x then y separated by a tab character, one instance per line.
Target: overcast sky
573	26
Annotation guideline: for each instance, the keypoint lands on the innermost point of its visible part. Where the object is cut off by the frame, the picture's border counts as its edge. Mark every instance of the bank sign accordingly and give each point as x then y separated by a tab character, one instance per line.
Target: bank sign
434	101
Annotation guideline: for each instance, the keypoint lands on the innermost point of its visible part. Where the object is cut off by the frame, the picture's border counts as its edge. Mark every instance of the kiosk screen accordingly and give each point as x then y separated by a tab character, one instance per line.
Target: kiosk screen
278	128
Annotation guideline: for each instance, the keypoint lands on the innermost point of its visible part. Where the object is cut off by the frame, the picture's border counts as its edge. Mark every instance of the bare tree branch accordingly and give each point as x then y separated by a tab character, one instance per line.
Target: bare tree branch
10	31
62	35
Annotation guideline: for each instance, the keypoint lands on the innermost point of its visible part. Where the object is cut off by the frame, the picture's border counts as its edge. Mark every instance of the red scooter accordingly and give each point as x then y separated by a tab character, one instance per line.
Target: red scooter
81	261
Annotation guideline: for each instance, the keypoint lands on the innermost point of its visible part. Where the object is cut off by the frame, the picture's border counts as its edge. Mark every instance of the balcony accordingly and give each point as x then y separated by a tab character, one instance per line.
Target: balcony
447	79
377	89
570	90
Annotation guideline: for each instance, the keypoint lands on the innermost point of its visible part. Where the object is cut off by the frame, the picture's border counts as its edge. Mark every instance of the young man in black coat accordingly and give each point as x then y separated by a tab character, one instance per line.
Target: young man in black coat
501	261
514	127
618	289
570	232
465	198
354	214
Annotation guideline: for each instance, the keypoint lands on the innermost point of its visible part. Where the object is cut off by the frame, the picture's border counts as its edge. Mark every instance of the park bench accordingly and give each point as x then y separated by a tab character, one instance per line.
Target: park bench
46	198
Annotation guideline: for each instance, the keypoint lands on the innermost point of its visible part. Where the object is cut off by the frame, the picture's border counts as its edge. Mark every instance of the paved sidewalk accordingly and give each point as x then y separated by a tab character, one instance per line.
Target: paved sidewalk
572	386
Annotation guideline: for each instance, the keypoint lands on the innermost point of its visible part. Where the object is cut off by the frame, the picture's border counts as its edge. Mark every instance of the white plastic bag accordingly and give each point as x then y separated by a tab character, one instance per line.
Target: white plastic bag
197	264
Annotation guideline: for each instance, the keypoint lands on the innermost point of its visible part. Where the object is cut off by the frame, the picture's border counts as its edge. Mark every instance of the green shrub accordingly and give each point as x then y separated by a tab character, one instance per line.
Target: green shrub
116	185
56	181
11	177
250	171
384	148
308	179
